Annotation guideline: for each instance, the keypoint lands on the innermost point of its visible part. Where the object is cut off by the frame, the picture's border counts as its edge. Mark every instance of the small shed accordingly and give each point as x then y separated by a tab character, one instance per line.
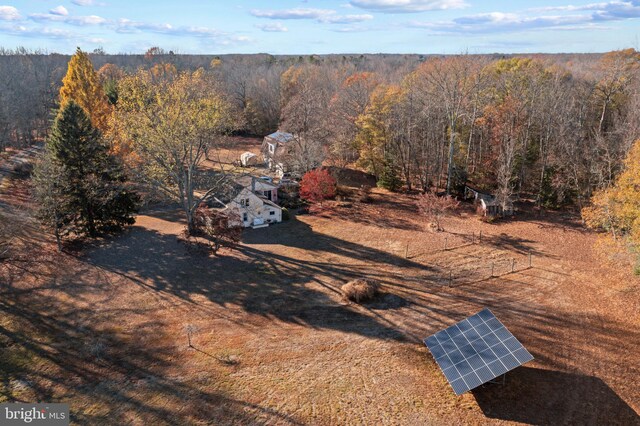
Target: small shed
489	204
248	159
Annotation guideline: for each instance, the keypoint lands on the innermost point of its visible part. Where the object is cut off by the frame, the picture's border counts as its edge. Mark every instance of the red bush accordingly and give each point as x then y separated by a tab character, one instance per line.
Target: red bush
317	186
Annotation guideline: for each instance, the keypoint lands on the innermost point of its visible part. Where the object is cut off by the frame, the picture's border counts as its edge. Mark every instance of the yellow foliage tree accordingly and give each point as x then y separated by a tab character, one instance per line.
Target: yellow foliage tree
82	84
374	127
617	209
171	125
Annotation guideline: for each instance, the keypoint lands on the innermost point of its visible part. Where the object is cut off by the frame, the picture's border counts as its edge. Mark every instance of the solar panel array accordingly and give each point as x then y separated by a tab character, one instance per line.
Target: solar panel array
475	351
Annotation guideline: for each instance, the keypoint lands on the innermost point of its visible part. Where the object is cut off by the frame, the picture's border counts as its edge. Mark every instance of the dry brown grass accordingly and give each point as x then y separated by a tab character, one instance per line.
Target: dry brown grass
360	290
275	342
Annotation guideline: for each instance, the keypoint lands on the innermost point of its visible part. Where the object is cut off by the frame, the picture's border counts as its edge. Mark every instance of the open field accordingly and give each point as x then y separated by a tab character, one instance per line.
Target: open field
105	328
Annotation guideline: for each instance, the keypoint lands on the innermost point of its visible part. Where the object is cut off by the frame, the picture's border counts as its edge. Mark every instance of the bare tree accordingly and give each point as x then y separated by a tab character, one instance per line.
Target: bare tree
435	207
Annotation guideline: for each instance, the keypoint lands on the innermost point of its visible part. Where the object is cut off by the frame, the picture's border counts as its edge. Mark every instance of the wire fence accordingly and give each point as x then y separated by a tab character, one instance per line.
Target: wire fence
475	271
486	271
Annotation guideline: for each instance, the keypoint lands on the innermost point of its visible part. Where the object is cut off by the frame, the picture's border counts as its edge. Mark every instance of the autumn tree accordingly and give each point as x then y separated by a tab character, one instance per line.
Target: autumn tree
451	82
617	209
347	105
81	189
109	75
216	228
172	124
434	207
375	128
305	95
317	185
618	73
82	85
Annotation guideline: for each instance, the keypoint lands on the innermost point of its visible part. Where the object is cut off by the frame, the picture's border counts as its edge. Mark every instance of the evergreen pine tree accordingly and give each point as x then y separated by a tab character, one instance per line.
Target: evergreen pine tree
81	188
389	178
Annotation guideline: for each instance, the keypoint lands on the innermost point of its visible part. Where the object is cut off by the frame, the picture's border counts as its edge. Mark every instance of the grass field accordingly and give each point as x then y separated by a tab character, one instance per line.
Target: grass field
105	327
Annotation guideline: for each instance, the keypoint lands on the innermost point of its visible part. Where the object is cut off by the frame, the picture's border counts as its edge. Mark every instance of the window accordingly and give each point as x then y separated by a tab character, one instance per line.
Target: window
272	213
246	202
245	217
242	202
271	148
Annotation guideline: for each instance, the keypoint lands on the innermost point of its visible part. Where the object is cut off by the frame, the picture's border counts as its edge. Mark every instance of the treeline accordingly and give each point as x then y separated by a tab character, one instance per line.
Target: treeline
31	79
516	126
554	127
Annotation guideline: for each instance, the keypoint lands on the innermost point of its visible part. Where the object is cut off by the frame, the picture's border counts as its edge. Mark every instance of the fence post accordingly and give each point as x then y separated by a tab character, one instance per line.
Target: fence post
446	239
513	265
492	265
480	236
450	278
473	237
529	259
406	252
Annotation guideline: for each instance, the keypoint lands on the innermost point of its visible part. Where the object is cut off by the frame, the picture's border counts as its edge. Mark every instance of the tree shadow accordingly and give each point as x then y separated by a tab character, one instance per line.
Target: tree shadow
519	245
53	350
546	397
370	214
266	283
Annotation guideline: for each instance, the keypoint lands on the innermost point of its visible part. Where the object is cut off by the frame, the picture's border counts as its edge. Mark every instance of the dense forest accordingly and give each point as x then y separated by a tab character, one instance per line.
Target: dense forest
554	127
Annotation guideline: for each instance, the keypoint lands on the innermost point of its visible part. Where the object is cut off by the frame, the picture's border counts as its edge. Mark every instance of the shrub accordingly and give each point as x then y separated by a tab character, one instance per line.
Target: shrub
389	178
285	214
317	186
360	290
365	194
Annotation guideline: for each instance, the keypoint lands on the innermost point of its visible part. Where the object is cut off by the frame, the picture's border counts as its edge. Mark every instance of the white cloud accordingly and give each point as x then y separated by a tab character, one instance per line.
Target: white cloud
206	33
328	16
59	10
9	13
346	19
567	18
276	27
72	20
84	2
408	6
299	13
42	32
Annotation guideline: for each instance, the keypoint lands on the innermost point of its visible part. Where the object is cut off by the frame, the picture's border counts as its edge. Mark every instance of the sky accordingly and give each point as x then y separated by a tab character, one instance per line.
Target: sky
321	27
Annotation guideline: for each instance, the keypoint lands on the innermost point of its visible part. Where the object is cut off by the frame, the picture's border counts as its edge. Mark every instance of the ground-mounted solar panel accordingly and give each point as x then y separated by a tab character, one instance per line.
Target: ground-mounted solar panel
475	351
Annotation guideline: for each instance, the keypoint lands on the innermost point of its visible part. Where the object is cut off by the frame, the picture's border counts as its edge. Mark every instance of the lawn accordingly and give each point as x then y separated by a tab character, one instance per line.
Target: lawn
106	327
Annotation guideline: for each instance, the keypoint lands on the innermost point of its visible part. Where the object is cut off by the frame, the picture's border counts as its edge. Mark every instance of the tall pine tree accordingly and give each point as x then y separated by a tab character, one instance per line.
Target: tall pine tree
82	84
81	188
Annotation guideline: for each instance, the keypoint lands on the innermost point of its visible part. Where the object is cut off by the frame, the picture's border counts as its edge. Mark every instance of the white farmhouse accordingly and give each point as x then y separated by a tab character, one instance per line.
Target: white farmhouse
249	202
276	151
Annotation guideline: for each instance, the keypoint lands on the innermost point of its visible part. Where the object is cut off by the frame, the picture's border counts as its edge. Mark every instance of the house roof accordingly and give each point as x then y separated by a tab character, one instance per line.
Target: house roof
230	187
282	137
269	202
247	181
227	190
